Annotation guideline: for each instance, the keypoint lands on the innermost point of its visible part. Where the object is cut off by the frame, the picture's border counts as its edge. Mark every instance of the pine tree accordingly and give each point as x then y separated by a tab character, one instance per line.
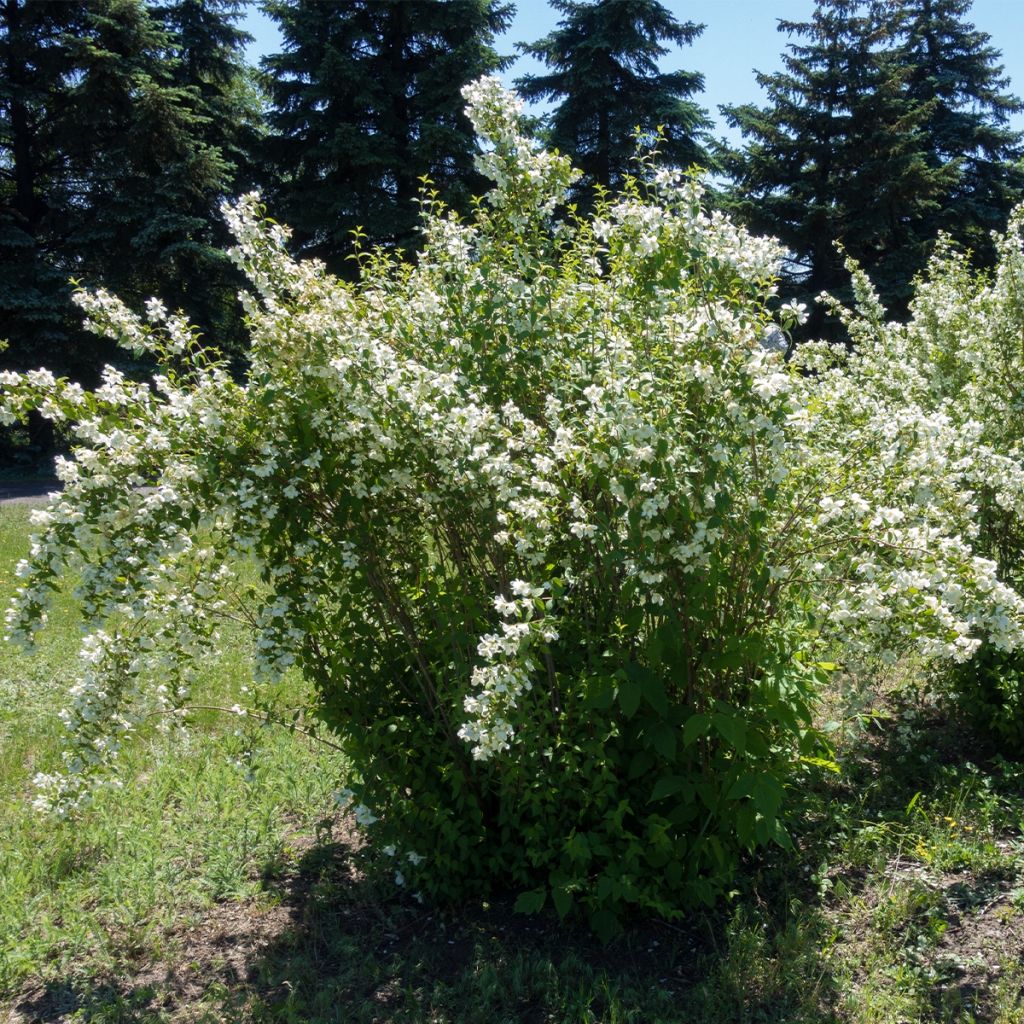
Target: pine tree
366	100
122	127
208	60
118	136
226	123
160	110
839	154
955	73
604	60
35	83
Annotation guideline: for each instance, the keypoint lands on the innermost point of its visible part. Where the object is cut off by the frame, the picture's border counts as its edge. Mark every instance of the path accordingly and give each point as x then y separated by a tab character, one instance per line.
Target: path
26	492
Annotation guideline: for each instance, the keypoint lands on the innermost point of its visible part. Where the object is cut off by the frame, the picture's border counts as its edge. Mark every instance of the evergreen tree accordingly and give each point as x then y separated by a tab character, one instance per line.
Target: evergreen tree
604	60
208	50
954	72
36	77
121	127
161	109
839	154
118	136
366	99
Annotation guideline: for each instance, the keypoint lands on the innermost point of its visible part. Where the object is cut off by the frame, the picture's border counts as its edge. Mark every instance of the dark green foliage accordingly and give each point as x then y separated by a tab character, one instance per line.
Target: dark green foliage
366	100
631	794
34	188
954	72
838	153
886	126
163	112
604	60
989	690
122	126
220	139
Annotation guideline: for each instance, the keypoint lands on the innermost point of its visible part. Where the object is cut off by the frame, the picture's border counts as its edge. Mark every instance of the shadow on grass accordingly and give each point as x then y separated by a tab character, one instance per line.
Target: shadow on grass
351	955
900	905
329	946
66	1001
882	929
921	837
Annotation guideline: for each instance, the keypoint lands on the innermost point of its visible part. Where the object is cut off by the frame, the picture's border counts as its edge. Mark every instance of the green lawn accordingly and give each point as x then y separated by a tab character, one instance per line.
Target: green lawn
209	889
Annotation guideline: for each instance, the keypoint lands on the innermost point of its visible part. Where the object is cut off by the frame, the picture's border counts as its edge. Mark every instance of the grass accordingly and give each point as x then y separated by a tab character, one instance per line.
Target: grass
89	901
211	889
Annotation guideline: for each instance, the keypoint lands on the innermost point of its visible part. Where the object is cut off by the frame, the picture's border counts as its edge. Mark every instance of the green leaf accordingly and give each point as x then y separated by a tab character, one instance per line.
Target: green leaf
629	696
742	787
744	821
530	902
668	785
651	687
780	836
600	693
562	900
578	848
695	727
641	764
732	730
768	795
663	737
654	693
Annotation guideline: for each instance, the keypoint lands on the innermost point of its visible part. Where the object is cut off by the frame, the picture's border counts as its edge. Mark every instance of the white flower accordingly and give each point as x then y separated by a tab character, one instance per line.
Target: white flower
364	816
794	312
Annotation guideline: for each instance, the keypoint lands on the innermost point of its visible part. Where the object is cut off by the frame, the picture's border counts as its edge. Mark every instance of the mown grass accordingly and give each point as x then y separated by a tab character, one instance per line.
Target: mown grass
206	891
94	898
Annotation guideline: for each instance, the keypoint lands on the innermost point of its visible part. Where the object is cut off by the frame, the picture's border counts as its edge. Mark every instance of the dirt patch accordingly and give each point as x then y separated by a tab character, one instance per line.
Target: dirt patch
983	943
215	953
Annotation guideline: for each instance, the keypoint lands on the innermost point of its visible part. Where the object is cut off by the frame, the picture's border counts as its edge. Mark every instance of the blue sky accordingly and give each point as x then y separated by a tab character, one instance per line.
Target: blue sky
740	35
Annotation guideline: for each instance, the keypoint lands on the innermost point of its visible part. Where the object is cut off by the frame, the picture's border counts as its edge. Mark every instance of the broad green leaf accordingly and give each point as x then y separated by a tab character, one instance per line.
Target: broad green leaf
663	737
695	727
731	729
668	785
629	696
530	902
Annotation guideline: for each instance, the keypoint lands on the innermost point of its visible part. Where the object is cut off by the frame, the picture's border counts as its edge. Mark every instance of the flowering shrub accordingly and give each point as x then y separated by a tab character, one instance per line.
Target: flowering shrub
545	518
952	376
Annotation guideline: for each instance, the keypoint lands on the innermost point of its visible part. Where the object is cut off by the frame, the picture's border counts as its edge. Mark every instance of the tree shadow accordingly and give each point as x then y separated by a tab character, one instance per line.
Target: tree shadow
331	940
353	952
68	1000
329	943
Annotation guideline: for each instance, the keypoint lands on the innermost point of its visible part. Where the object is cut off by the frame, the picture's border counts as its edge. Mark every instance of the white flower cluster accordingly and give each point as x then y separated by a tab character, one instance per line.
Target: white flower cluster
911	436
528	180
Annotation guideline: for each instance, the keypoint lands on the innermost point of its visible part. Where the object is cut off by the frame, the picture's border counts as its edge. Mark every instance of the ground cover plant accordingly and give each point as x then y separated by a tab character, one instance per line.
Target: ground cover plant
560	543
